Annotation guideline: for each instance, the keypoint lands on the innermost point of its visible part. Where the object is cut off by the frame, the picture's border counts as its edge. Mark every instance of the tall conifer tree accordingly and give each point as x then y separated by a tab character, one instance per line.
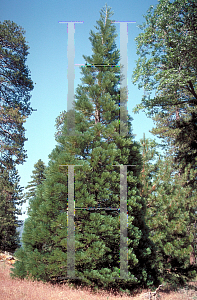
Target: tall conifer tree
15	87
97	150
167	64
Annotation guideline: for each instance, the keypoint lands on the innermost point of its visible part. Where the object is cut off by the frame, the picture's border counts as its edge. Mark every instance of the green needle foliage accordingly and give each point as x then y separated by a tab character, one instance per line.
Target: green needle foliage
15	87
95	149
167	65
170	216
10	198
37	178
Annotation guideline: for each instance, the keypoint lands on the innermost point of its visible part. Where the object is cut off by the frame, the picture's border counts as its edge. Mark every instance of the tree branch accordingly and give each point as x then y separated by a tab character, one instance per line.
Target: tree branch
191	89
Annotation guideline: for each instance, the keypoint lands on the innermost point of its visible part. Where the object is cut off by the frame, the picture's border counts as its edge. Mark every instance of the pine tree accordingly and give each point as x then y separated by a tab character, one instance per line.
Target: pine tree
15	87
170	214
167	65
37	179
97	150
149	151
10	198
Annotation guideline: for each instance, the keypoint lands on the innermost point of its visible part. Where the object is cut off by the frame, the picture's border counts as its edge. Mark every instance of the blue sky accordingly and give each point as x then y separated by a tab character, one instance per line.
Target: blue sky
48	63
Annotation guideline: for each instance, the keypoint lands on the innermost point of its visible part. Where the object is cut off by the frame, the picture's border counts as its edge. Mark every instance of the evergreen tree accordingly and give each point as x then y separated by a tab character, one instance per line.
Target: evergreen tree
15	87
149	151
167	65
97	151
10	198
37	179
170	215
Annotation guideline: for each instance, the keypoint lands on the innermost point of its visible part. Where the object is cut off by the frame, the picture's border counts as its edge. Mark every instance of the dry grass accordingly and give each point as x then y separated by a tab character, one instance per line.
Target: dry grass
16	289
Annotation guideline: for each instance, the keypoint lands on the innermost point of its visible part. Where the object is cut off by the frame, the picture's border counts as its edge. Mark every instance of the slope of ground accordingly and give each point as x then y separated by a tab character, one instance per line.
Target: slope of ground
16	289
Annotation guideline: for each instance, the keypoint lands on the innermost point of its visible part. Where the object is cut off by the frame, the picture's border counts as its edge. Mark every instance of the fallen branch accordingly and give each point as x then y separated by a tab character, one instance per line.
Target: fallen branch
150	295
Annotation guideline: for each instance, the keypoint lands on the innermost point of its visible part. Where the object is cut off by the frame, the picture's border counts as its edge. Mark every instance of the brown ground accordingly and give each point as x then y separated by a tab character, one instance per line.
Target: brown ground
16	289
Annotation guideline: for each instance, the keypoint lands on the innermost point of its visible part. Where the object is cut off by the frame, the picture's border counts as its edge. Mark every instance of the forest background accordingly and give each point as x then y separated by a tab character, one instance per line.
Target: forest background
161	193
48	64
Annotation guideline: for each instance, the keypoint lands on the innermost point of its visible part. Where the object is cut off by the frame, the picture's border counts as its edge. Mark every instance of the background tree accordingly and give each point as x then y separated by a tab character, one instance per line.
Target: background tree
149	151
97	147
37	179
170	215
10	198
167	64
15	87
